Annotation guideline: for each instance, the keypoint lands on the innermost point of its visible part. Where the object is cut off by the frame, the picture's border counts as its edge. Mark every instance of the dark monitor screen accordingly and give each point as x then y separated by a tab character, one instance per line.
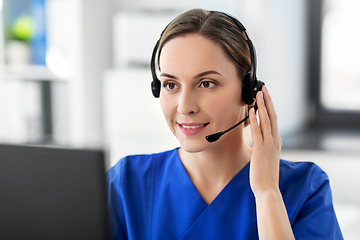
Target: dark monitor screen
52	193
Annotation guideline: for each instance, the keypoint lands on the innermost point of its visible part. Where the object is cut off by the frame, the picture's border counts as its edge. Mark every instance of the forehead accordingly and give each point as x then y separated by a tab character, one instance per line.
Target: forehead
193	52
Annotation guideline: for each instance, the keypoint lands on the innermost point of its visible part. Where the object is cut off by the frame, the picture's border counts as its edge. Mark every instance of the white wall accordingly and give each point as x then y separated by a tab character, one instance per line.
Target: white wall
80	30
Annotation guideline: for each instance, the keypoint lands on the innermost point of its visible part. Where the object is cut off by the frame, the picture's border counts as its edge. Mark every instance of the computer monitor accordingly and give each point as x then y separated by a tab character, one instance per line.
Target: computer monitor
52	193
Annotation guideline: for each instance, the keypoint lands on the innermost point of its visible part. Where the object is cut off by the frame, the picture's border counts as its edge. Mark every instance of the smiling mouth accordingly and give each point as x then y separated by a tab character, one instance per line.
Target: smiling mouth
194	127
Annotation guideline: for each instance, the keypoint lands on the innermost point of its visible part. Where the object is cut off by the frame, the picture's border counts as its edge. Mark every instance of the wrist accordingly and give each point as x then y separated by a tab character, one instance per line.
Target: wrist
270	194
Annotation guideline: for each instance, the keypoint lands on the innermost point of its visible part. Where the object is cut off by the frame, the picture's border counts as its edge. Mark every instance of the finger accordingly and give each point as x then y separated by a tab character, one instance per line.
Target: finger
270	111
255	129
263	116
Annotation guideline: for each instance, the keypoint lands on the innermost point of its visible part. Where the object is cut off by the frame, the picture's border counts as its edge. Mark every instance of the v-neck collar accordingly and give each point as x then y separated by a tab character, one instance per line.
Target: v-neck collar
178	208
233	181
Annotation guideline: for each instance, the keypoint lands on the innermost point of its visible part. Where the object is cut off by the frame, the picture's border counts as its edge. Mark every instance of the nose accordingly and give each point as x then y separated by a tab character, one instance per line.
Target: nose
187	103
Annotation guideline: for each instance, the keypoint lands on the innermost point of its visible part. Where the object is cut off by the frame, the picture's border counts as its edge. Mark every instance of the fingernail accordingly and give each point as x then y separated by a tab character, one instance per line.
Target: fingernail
261	94
266	89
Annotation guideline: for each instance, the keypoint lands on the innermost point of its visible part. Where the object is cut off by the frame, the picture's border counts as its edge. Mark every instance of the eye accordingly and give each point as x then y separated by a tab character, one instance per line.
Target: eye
207	84
170	86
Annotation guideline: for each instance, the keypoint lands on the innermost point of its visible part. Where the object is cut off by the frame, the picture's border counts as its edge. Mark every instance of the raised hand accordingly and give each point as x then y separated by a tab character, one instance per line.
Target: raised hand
273	222
265	157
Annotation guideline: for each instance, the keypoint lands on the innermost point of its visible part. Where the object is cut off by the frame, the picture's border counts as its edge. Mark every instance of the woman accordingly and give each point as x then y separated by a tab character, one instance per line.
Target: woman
222	189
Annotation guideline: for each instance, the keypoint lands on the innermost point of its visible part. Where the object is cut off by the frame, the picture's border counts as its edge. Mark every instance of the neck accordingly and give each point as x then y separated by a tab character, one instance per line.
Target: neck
219	163
212	169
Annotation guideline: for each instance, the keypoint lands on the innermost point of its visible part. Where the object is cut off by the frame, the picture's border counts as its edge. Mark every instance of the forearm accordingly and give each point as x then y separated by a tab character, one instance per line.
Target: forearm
273	221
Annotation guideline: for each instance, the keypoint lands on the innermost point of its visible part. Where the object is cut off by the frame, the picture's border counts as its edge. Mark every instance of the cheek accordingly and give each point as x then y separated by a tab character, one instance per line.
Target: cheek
230	106
169	111
166	108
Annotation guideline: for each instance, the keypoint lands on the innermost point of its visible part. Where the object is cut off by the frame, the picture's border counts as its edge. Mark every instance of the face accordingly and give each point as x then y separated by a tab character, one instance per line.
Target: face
200	91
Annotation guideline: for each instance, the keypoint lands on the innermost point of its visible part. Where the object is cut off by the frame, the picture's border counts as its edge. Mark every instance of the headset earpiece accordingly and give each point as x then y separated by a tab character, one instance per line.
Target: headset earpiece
155	84
155	87
246	90
258	86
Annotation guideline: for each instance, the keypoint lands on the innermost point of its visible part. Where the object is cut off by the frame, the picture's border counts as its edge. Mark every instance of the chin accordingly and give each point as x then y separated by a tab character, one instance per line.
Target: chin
194	146
198	145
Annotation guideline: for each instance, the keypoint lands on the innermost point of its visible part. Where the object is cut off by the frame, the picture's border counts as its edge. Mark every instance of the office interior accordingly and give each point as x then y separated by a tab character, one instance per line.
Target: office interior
90	86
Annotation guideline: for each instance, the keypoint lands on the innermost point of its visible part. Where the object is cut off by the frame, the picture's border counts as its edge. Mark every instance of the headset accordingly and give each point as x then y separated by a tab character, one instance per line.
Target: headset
251	85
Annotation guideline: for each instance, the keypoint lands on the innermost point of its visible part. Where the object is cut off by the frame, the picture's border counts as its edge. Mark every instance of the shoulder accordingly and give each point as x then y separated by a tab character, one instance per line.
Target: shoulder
129	182
307	196
300	169
301	181
137	165
305	188
307	174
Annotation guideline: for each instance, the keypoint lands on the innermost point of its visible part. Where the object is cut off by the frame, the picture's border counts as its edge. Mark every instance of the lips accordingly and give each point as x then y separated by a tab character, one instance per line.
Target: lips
192	128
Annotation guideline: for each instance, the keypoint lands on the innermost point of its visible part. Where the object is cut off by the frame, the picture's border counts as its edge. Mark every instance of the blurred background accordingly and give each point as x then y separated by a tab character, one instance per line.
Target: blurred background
75	73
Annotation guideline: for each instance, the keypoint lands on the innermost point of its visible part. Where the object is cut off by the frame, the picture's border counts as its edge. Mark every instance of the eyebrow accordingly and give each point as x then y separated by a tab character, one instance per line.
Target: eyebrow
200	75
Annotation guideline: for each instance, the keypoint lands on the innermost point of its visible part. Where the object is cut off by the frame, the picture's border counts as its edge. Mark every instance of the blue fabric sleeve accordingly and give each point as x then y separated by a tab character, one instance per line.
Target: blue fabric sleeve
115	202
130	196
316	218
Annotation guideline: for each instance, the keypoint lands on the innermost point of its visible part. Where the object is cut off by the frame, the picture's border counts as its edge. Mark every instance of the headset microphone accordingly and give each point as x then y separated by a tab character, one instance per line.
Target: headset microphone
214	137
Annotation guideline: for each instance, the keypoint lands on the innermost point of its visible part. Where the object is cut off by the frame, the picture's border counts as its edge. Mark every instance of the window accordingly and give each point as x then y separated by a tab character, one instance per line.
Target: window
334	63
340	55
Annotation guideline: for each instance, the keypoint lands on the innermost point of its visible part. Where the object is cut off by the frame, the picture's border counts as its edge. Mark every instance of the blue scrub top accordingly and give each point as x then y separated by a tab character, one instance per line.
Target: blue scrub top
152	197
